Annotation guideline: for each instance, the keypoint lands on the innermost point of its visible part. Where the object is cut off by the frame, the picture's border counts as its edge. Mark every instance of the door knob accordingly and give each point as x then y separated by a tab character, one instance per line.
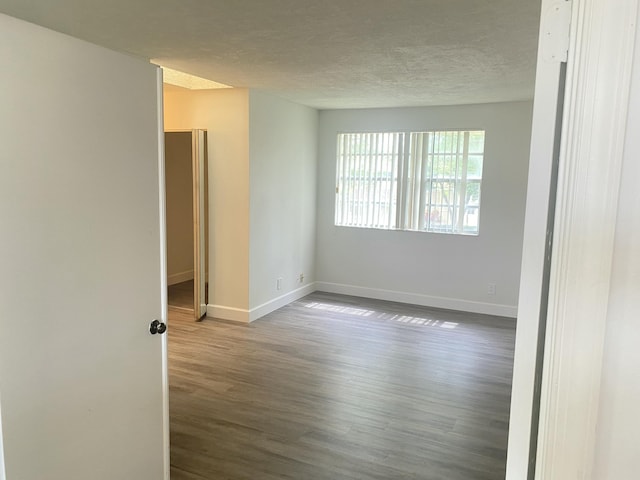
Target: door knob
157	327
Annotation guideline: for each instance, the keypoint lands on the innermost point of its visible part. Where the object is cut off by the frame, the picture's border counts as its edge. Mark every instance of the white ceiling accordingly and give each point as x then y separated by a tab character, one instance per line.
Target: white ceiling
321	53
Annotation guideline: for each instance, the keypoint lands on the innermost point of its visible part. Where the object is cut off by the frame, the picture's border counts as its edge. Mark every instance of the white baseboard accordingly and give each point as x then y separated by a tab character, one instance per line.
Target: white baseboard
179	277
228	313
247	316
419	299
281	301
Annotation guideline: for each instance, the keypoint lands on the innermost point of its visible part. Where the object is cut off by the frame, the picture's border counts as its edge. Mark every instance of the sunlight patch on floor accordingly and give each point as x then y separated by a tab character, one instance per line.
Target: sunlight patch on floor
426	322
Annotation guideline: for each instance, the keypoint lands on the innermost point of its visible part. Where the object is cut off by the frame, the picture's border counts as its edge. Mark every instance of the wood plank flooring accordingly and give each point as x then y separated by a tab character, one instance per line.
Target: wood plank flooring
181	295
335	387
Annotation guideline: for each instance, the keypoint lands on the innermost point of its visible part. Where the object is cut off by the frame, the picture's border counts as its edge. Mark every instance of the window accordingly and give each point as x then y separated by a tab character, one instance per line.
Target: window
423	181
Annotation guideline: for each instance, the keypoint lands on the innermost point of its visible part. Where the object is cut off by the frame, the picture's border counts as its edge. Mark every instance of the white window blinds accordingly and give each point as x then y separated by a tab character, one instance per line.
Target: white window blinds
425	181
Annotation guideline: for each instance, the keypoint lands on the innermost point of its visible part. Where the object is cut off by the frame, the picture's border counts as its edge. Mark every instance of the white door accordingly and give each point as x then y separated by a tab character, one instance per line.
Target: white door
82	380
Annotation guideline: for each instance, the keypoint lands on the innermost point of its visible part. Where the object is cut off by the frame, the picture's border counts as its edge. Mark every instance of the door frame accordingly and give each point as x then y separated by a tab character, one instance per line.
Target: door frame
3	474
199	221
162	201
599	66
198	160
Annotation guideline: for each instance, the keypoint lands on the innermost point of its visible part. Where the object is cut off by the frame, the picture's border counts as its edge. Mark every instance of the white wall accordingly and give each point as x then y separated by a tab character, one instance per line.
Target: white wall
283	152
448	271
618	443
179	209
224	114
262	178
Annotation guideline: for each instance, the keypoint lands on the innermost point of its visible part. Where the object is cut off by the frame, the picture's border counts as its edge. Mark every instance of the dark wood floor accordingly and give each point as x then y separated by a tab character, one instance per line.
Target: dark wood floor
333	387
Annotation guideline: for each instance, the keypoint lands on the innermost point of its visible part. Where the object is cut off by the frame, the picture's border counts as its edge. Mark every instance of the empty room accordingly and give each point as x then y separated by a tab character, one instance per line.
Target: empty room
339	384
381	253
335	386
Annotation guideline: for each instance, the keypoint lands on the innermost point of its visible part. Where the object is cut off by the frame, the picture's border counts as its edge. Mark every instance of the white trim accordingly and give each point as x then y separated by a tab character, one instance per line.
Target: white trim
281	301
419	299
163	278
598	82
180	277
199	222
228	313
534	247
3	474
246	316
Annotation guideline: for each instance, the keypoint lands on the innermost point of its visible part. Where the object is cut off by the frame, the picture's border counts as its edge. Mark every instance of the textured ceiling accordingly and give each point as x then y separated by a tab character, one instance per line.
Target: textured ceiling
326	54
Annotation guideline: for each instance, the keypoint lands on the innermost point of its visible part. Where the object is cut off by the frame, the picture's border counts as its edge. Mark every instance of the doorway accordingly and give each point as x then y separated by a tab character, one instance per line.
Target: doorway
187	226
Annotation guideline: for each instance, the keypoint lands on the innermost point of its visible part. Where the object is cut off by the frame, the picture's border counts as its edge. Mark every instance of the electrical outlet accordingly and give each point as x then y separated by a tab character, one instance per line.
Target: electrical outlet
279	283
491	289
301	278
